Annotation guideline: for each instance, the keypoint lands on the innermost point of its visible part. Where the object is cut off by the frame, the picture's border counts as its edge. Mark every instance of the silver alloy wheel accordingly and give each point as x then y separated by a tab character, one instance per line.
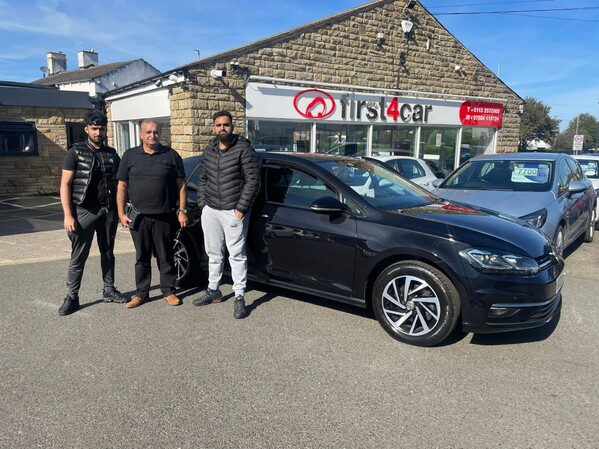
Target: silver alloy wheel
411	305
559	241
182	258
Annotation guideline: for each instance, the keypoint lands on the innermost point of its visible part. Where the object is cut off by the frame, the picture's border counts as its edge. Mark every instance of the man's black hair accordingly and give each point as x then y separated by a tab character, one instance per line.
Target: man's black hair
95	118
222	114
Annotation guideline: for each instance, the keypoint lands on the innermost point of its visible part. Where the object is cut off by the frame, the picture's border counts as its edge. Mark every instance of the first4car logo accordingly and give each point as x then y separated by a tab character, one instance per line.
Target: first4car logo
314	104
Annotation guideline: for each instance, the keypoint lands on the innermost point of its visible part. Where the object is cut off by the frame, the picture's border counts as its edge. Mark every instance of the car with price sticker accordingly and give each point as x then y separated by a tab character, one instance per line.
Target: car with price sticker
355	231
547	190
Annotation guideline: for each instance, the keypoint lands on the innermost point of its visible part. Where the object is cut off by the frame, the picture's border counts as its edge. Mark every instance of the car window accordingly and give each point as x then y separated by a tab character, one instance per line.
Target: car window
577	173
193	173
590	168
565	175
377	184
516	175
293	187
411	169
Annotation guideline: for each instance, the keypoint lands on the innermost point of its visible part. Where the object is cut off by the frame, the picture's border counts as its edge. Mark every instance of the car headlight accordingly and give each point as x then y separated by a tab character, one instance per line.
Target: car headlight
537	218
499	262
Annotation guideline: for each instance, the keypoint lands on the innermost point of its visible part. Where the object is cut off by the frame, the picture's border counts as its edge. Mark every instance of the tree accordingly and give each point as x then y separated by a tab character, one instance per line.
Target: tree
587	126
536	123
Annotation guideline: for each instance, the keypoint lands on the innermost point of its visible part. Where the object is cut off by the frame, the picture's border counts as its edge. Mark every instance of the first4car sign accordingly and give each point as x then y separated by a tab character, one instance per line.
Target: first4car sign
286	102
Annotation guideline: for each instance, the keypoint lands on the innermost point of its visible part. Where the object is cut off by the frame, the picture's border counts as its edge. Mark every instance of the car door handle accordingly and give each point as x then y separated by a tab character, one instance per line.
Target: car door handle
265	216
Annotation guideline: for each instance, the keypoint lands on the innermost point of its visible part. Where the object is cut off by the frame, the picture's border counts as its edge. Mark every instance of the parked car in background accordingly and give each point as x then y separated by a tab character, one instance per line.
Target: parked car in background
354	231
590	166
416	170
548	190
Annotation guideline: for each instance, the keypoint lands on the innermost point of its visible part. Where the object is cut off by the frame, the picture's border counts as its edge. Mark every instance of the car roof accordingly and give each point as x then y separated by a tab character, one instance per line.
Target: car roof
593	157
519	156
389	158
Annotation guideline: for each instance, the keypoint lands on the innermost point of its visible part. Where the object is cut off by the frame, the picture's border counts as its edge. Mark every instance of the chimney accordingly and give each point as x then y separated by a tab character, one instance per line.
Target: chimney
57	62
86	59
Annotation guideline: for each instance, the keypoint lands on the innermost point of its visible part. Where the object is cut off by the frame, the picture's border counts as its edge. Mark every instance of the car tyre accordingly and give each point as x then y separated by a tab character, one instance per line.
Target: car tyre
416	303
186	261
590	232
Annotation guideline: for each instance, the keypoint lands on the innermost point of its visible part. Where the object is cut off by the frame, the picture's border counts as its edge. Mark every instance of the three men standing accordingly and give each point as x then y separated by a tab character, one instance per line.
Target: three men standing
87	194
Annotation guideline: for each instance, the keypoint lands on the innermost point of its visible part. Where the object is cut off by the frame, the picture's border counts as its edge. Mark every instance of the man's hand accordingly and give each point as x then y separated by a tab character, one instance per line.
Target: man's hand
70	224
124	220
238	214
183	221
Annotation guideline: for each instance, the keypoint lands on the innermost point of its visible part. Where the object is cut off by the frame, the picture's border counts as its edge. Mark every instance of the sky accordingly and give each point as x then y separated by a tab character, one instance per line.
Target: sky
548	55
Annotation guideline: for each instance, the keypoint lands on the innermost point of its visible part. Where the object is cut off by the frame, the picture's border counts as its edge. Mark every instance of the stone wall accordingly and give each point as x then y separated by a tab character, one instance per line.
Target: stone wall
343	50
37	175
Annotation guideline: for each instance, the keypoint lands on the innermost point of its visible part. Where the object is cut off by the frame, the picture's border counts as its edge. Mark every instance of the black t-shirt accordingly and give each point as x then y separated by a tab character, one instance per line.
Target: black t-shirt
152	178
95	195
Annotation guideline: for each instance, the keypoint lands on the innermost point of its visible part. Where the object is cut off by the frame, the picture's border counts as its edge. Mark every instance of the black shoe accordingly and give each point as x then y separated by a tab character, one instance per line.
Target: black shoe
114	296
239	310
69	306
208	297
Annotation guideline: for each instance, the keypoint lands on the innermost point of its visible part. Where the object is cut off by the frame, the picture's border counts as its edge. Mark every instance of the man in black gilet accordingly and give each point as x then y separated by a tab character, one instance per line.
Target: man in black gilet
87	194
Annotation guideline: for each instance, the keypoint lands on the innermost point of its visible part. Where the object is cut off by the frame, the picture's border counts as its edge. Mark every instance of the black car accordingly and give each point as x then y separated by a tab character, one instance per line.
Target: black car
354	231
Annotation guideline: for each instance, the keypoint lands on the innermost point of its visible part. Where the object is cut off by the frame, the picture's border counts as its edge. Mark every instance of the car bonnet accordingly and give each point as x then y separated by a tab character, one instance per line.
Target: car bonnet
516	204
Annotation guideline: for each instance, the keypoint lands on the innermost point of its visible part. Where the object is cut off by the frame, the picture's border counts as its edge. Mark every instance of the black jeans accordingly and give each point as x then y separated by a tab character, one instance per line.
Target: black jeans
155	236
103	223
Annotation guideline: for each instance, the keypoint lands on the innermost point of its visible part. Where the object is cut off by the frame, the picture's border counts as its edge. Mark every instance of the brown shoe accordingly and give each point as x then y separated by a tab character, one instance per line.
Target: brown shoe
136	301
172	300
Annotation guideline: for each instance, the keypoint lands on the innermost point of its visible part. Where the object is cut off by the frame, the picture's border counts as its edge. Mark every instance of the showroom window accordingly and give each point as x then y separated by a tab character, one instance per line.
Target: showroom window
394	140
345	140
438	144
268	135
476	141
18	139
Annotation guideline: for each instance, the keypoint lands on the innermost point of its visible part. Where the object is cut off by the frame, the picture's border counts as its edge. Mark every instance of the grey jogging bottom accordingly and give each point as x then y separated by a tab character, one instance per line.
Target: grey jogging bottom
223	229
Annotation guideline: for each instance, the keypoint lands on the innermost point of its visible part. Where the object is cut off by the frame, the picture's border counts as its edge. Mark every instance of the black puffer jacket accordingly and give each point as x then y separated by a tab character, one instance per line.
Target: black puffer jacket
109	162
230	178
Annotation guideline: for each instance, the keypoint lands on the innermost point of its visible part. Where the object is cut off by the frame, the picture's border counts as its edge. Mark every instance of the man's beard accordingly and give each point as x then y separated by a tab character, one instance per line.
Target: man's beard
224	138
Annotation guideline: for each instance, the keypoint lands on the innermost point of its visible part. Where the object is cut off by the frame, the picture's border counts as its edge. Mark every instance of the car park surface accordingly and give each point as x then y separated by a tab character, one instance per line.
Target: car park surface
548	190
191	378
354	231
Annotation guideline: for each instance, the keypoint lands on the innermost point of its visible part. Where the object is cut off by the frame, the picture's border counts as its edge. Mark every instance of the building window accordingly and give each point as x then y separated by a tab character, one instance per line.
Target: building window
345	140
75	133
394	140
268	135
18	139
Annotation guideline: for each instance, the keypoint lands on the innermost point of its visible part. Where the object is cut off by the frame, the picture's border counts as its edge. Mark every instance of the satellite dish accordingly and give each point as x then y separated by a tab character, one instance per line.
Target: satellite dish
45	70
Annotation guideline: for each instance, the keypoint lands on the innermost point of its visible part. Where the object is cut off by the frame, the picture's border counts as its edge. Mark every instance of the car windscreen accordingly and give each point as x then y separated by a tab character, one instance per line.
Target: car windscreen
378	185
516	175
590	167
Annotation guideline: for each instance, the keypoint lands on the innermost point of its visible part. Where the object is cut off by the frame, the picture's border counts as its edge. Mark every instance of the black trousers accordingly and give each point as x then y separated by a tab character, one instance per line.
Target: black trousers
103	223
155	236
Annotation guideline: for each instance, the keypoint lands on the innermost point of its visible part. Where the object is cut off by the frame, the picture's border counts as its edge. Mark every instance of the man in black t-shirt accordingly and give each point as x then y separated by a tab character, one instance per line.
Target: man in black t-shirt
152	178
87	194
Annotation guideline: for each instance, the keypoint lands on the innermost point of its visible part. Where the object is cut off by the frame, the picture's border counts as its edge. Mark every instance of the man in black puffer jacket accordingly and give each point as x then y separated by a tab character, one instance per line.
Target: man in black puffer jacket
87	195
228	185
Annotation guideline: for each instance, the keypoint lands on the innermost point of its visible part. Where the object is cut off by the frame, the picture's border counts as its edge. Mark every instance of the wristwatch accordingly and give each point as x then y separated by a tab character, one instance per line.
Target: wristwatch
182	210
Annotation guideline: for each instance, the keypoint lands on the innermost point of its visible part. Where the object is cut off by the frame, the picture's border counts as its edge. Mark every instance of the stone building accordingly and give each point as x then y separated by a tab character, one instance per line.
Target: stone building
37	125
384	77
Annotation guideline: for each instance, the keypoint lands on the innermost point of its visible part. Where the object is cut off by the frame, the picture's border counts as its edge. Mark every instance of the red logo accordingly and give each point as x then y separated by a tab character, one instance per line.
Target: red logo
314	104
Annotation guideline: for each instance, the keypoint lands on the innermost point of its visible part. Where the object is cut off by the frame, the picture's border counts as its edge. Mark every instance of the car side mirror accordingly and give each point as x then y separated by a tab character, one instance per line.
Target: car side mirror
576	187
437	182
328	205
